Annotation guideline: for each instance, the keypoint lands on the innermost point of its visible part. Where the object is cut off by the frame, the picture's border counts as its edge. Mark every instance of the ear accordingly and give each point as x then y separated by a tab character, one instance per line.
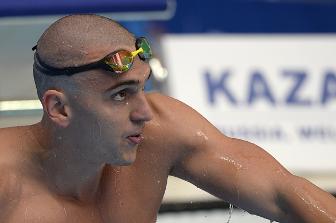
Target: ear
56	105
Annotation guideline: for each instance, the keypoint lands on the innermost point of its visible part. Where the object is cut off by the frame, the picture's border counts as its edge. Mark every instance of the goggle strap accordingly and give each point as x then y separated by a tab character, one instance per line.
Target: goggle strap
134	53
52	71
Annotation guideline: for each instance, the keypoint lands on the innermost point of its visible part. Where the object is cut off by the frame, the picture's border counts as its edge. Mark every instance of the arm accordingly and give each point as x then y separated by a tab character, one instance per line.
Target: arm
242	173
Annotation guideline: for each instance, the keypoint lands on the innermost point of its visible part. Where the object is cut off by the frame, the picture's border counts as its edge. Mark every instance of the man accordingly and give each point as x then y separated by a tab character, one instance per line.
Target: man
104	149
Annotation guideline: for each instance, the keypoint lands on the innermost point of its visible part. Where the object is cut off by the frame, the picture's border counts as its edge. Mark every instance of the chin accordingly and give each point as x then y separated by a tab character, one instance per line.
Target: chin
127	163
124	160
129	158
120	162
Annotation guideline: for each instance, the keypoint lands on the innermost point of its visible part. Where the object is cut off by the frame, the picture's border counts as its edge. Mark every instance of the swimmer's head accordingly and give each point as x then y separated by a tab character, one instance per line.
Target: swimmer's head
77	40
96	109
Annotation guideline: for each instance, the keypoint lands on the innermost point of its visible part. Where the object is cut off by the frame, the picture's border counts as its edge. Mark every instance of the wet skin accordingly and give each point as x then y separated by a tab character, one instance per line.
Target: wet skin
183	145
82	162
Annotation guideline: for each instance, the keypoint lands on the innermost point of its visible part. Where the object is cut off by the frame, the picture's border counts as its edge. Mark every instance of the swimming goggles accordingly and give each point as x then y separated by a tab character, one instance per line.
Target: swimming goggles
117	62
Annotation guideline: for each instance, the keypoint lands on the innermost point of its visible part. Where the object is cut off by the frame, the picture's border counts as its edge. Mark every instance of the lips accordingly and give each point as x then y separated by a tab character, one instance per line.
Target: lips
135	138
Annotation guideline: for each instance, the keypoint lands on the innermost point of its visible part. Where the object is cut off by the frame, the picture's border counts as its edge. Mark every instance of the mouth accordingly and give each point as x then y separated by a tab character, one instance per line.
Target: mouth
135	139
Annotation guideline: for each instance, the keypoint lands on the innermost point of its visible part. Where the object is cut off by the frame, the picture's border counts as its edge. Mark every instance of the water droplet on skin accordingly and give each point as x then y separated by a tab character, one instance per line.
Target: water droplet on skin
311	202
230	213
280	172
65	212
236	164
26	213
201	134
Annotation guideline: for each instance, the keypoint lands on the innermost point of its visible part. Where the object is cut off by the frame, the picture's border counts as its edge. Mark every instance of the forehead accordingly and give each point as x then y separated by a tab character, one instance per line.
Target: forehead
101	43
102	49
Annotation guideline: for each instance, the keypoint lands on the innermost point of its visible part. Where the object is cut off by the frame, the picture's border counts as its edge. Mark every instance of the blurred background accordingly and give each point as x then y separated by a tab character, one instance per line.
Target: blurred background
260	70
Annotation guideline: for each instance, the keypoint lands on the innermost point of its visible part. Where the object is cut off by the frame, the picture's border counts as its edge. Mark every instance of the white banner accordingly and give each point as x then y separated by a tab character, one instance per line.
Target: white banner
278	91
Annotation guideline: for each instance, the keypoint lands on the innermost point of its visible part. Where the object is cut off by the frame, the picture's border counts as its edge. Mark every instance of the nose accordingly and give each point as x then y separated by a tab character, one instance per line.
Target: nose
142	112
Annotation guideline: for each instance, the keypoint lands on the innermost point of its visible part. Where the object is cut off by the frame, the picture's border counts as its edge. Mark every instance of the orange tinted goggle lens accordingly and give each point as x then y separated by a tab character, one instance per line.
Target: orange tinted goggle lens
120	61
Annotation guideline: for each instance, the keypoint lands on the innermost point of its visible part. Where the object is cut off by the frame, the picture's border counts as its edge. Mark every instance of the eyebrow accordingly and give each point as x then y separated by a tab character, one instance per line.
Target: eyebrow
122	83
129	82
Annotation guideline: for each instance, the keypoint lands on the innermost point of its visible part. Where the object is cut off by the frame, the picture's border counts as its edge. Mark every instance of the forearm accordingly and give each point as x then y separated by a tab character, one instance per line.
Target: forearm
303	202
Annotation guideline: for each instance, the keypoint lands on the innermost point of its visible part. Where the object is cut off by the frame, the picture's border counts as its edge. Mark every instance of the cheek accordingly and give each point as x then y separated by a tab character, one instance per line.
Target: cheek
116	115
104	122
111	124
101	137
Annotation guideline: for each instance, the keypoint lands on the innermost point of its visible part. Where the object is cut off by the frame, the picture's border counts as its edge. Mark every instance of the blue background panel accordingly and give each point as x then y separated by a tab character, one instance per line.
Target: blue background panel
47	7
244	16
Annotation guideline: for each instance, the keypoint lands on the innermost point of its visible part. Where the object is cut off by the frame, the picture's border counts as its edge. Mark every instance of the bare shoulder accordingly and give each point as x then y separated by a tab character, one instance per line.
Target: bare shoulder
11	140
162	104
177	111
169	113
9	147
7	135
181	127
171	108
10	190
6	142
10	181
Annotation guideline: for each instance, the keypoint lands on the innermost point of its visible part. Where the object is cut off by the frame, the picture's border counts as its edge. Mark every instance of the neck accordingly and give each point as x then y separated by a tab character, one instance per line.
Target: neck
66	172
71	178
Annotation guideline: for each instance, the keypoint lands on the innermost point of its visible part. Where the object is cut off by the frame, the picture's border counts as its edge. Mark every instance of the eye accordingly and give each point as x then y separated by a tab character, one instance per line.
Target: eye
120	96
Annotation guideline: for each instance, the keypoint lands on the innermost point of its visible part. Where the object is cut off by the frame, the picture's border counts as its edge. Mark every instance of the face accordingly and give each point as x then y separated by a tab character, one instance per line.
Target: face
110	112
